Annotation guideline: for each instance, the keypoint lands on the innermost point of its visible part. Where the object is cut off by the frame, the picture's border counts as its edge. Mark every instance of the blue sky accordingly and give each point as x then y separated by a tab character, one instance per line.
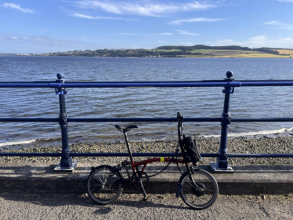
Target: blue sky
34	26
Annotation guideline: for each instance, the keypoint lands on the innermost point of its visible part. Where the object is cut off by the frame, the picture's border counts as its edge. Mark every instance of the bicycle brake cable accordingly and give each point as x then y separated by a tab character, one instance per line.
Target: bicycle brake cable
176	153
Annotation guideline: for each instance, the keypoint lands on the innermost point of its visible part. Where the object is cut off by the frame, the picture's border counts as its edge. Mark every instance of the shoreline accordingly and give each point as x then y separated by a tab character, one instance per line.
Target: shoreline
54	141
278	144
218	57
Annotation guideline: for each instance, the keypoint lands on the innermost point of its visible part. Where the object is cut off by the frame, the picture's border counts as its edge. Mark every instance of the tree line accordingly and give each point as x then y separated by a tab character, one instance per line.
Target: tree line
229	47
162	51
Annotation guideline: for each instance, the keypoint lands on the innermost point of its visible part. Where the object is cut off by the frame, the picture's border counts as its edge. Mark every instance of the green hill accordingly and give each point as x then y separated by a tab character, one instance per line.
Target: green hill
232	51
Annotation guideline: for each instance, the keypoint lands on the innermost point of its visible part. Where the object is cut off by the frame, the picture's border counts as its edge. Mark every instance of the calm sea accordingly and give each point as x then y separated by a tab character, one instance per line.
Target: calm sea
253	102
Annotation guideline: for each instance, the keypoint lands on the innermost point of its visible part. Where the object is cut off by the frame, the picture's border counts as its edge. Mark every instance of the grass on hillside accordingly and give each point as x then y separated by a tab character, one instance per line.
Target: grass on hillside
234	54
283	51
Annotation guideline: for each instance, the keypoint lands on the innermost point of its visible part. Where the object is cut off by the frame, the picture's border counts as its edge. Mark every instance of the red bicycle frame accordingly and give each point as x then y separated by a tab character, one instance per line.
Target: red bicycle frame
135	165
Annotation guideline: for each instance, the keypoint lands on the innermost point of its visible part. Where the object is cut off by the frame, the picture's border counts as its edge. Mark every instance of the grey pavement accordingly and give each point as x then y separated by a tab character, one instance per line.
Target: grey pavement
129	206
246	180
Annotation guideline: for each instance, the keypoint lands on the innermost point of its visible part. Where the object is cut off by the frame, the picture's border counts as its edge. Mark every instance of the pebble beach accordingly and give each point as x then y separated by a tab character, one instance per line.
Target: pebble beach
240	145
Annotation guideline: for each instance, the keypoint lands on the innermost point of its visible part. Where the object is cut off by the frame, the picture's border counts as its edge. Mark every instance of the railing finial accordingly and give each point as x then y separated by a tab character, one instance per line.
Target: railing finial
60	76
229	74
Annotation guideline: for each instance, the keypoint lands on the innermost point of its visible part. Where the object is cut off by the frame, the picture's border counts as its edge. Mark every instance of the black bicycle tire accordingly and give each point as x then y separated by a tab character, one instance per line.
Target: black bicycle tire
110	170
211	201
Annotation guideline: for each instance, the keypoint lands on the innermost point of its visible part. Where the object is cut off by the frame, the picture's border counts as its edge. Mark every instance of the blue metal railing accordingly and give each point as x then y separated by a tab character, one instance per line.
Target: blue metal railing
225	119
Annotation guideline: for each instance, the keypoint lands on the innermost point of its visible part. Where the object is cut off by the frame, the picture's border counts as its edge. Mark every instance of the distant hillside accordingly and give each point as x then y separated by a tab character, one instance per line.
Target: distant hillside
183	51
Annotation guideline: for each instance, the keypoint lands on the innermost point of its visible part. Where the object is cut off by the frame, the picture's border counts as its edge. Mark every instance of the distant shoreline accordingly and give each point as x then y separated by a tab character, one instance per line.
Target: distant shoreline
195	51
212	57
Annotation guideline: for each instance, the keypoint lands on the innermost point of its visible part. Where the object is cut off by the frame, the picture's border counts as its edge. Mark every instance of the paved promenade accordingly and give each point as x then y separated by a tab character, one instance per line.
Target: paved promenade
129	206
247	180
35	191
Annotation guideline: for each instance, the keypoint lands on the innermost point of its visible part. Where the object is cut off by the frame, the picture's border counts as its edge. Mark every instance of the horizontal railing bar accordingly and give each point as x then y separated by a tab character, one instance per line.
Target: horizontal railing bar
175	120
260	155
145	84
29	119
145	119
110	119
24	85
266	83
99	154
135	155
120	84
164	81
261	119
31	154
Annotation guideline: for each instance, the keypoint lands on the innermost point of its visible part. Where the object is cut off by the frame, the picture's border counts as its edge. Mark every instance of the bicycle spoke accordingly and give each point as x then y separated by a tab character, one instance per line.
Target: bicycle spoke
199	190
103	185
95	182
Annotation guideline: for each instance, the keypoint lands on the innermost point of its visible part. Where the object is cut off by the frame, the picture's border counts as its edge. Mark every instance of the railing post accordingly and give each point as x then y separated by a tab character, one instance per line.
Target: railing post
66	163
222	164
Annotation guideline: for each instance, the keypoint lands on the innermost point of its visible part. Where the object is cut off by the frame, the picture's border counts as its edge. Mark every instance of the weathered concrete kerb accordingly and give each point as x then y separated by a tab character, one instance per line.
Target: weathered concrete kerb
252	179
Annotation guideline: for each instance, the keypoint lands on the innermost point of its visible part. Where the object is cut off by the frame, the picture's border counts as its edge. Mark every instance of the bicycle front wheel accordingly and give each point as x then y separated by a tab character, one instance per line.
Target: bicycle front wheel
199	190
104	185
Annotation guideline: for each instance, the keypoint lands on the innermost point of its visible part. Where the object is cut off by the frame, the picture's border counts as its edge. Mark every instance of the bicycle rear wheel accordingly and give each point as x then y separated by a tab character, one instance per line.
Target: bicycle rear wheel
200	190
104	185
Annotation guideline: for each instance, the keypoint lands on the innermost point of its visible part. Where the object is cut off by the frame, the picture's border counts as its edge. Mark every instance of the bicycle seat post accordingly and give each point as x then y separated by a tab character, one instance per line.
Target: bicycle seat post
124	130
128	148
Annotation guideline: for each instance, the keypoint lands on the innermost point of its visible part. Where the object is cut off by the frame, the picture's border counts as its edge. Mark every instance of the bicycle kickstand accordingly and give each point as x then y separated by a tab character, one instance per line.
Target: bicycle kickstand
143	191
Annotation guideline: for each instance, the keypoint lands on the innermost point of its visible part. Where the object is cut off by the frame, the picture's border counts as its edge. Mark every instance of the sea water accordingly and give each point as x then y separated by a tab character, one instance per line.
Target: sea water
246	102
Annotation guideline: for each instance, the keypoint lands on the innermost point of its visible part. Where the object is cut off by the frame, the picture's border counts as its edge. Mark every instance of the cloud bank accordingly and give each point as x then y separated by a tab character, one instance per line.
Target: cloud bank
190	20
17	7
184	32
279	25
141	8
258	41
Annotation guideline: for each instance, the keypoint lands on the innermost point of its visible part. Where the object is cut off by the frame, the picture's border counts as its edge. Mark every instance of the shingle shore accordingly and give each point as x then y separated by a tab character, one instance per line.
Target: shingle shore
243	145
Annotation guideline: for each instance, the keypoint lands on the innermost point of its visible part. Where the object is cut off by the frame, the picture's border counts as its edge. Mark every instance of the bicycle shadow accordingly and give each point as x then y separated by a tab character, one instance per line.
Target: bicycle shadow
74	199
137	205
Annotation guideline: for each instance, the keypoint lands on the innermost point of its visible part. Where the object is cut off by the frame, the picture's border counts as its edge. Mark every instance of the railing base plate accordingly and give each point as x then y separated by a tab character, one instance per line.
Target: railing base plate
215	168
58	168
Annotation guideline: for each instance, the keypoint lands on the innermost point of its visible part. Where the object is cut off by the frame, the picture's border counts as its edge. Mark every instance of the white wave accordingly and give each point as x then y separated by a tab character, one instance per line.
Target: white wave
251	133
17	142
281	131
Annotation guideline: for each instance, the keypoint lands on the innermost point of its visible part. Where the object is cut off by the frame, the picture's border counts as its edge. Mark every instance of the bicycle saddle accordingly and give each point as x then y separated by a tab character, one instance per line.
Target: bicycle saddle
125	128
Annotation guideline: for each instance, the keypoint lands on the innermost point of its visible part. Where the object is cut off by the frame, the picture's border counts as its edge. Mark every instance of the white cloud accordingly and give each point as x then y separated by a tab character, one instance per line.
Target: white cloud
17	7
90	17
259	41
141	8
78	15
261	38
196	20
279	25
184	32
164	34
